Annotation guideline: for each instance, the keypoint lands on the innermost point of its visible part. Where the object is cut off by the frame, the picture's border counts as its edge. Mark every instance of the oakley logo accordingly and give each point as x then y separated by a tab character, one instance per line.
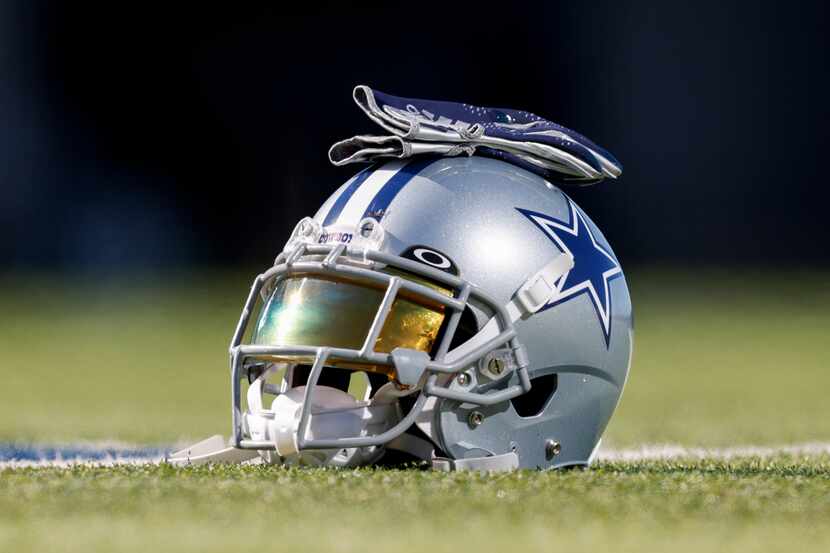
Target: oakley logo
431	257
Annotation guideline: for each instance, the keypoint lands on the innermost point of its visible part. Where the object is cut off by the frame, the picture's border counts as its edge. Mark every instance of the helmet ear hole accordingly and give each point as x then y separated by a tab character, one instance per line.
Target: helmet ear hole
533	402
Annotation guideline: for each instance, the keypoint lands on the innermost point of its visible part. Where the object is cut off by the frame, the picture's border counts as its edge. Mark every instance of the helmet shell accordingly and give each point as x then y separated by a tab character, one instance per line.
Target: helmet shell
497	223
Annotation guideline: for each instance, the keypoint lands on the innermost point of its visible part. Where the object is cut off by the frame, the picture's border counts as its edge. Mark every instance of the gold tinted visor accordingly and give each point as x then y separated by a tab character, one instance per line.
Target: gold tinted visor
312	310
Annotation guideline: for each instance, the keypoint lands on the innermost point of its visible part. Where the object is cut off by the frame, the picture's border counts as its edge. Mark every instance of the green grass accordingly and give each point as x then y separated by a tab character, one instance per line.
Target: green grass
725	358
747	505
721	358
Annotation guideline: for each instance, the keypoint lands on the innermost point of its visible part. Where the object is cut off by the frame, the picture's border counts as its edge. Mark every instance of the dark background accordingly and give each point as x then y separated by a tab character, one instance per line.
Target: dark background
140	137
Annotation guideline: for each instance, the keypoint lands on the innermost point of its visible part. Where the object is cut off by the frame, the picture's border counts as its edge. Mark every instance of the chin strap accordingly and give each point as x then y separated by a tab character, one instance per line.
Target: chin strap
495	463
211	450
413	445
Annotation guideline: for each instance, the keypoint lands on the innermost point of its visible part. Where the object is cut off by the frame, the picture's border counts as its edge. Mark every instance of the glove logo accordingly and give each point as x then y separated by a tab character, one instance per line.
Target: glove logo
594	267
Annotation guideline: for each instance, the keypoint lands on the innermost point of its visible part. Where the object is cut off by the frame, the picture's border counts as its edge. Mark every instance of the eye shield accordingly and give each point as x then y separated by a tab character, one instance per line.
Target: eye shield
337	312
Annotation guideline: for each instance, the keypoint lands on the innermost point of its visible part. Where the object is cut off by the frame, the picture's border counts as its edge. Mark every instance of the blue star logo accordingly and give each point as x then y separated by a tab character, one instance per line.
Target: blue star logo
594	266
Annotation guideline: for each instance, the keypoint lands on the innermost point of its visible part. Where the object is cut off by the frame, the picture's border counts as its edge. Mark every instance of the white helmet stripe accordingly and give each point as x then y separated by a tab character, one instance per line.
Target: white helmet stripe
356	206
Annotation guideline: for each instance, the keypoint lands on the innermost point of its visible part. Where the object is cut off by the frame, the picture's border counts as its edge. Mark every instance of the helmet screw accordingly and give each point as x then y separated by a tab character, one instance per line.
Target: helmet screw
496	366
463	379
475	419
366	229
552	449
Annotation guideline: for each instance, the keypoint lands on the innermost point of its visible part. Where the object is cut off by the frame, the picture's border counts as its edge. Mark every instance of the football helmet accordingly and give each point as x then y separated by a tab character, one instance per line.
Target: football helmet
459	311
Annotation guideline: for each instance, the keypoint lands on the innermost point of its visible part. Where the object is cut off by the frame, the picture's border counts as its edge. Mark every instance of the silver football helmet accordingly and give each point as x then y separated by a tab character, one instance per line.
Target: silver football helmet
461	311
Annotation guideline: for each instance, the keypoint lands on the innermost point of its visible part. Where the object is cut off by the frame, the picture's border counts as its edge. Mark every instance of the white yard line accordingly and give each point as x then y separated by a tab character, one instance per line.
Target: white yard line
113	453
673	451
76	462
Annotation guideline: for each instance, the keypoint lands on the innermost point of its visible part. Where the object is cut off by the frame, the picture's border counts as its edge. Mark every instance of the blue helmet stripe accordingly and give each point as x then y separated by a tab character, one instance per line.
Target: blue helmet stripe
344	198
385	195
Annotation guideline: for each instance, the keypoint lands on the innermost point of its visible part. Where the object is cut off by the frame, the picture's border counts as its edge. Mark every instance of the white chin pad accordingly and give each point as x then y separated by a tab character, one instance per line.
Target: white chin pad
334	414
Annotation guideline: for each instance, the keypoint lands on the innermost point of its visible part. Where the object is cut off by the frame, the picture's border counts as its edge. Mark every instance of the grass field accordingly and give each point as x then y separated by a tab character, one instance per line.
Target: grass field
721	359
778	505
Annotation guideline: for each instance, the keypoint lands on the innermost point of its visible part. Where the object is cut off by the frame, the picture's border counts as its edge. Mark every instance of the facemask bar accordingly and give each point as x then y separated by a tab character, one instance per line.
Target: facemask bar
292	262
